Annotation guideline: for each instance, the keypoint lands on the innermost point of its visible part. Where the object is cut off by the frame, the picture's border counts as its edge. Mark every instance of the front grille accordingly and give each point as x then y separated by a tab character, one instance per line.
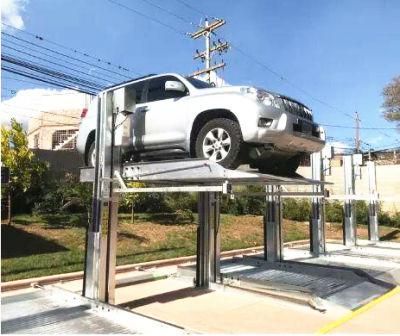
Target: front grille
306	127
296	108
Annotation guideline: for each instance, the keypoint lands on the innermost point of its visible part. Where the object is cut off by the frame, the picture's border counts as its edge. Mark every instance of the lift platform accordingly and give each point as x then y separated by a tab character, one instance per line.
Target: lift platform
52	310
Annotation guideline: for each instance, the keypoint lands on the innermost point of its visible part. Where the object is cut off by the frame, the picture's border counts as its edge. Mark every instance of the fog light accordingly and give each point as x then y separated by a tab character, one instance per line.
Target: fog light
265	122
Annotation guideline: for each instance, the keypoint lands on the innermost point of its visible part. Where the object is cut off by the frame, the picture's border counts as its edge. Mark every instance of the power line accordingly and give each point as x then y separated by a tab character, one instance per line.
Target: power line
364	128
69	48
51	72
281	77
168	12
60	59
55	63
198	11
284	79
65	55
30	82
44	80
179	32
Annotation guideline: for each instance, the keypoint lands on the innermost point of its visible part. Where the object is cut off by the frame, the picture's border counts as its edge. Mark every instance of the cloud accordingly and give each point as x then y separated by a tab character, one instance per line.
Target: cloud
28	103
11	11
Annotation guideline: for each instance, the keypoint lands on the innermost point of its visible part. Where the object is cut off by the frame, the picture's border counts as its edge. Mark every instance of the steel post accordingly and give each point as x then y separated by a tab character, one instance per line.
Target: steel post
99	277
208	239
317	222
273	225
373	230
349	220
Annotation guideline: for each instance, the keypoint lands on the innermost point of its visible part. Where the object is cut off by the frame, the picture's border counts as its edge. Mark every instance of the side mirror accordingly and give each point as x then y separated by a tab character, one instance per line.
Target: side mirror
174	86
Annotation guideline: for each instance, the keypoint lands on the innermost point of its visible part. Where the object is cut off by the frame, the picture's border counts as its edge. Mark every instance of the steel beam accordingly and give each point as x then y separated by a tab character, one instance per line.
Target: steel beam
317	222
208	239
349	218
273	225
99	277
373	231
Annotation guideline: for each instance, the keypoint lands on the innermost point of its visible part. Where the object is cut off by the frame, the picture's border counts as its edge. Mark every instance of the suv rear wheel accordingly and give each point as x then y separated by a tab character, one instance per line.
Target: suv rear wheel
220	140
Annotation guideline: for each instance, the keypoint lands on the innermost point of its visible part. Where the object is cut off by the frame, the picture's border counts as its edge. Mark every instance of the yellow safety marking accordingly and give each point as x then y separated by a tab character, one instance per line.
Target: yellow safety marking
332	325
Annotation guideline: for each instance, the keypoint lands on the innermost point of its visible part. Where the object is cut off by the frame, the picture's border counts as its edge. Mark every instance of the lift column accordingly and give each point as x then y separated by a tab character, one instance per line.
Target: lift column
272	225
100	263
208	239
349	220
317	243
111	133
373	232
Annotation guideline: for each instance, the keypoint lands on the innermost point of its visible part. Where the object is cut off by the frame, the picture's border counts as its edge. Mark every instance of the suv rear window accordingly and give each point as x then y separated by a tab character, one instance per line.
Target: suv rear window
199	84
156	90
138	88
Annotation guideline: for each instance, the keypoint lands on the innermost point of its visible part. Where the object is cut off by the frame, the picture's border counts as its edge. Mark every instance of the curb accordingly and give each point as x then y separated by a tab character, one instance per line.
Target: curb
50	279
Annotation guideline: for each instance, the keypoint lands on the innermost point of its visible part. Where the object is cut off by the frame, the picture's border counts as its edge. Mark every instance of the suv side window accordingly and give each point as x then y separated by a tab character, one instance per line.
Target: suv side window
138	88
156	89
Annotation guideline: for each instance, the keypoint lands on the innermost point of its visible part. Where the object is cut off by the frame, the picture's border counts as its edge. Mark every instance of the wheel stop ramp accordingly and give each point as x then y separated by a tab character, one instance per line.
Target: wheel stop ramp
60	312
381	260
343	286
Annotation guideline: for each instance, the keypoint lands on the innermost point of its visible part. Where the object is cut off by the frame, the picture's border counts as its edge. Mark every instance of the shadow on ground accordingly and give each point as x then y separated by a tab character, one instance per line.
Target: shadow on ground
19	243
391	235
166	297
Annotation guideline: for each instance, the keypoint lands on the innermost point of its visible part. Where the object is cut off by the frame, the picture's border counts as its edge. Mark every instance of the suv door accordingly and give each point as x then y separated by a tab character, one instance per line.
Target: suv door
162	115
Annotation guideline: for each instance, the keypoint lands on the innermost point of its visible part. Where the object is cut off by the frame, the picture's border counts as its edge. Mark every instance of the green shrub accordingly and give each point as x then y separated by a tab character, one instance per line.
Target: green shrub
334	212
184	216
361	212
244	204
181	201
297	209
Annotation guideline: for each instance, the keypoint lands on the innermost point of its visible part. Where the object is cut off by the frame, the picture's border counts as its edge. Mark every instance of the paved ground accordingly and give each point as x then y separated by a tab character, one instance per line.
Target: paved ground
203	311
236	311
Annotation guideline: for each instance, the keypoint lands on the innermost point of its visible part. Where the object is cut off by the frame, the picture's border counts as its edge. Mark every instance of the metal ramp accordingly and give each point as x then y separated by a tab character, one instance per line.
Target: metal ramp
55	311
343	286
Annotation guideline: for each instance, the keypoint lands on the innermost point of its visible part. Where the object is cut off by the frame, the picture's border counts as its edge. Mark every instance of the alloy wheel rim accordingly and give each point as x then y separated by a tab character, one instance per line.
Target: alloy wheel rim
216	144
93	158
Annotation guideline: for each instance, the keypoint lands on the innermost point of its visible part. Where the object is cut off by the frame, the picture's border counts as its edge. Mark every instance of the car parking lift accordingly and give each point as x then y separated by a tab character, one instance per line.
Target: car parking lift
208	179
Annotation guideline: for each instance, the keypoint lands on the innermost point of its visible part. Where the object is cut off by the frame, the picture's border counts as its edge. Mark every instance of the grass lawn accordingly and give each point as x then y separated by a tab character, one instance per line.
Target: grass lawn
36	246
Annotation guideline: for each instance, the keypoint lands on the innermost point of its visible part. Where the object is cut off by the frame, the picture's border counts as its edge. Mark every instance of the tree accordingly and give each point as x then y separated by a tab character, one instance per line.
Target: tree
391	104
25	168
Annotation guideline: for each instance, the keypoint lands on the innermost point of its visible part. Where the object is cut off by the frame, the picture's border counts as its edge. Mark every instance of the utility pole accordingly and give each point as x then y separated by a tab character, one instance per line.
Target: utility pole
210	47
357	138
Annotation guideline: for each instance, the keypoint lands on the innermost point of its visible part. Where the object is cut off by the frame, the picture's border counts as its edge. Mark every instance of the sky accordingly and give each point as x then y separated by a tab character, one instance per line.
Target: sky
334	55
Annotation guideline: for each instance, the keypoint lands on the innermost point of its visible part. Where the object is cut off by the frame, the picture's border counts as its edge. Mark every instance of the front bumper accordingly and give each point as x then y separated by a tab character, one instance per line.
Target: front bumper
289	134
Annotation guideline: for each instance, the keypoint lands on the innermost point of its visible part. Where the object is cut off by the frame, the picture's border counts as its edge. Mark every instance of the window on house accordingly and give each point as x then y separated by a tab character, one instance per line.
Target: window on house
36	141
64	139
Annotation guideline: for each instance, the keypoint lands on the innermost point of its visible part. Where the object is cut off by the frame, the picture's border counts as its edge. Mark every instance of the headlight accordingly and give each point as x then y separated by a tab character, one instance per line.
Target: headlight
262	96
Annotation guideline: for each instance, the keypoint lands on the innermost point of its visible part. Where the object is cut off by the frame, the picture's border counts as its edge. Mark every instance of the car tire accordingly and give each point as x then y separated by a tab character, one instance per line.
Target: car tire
91	155
220	140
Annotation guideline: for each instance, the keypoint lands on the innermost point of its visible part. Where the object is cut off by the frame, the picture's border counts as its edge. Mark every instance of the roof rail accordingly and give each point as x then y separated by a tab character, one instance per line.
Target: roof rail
129	80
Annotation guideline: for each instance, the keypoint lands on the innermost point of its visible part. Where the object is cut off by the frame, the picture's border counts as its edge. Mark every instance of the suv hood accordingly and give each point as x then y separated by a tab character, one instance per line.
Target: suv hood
240	89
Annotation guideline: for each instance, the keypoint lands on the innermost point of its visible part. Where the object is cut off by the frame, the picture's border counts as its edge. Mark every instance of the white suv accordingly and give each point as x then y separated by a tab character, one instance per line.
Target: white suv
180	116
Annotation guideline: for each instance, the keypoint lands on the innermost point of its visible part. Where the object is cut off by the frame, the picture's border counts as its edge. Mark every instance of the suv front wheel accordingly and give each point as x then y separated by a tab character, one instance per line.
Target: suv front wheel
220	140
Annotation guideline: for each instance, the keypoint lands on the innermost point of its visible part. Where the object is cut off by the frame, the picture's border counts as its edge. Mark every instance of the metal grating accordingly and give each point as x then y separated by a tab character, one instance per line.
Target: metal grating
342	286
46	312
35	313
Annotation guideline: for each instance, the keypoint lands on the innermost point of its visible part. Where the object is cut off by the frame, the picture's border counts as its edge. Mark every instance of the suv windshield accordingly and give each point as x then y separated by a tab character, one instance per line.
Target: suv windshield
198	84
